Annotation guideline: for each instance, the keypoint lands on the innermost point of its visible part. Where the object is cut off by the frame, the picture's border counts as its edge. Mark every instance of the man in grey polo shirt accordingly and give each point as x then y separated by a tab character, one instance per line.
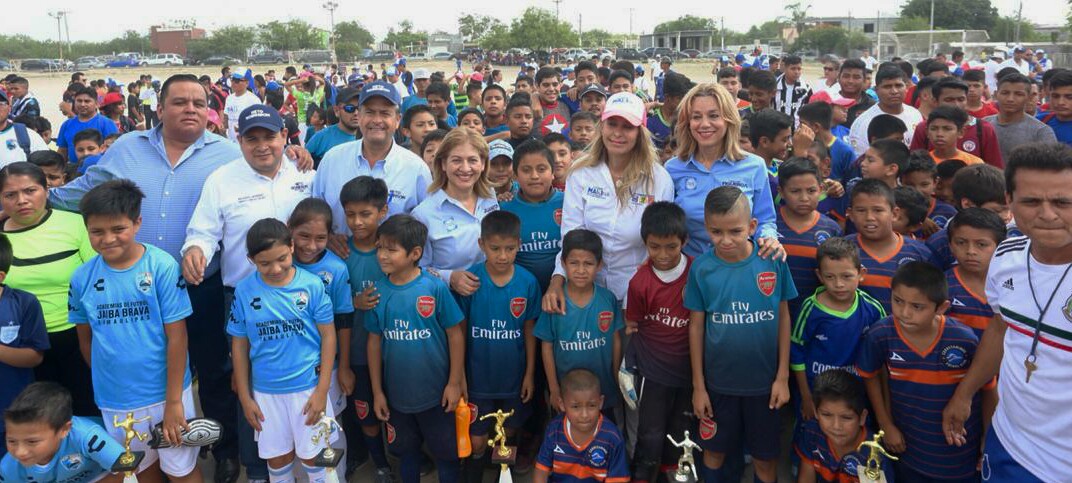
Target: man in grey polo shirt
1012	125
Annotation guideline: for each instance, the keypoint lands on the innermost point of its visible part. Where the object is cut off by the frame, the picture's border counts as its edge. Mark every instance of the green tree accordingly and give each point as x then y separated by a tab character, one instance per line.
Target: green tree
290	35
130	41
537	28
912	24
350	38
473	28
796	13
1004	30
497	37
954	14
404	37
823	39
686	22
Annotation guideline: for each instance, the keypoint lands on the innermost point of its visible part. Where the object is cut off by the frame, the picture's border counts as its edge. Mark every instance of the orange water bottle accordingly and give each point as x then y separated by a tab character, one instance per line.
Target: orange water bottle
462	417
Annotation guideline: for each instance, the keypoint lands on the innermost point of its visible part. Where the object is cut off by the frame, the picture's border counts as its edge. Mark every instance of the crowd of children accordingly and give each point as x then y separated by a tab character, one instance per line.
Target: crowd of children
834	291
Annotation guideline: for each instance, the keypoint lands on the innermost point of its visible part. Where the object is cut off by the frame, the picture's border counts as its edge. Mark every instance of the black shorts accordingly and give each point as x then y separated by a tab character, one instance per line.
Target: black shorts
362	397
406	432
743	419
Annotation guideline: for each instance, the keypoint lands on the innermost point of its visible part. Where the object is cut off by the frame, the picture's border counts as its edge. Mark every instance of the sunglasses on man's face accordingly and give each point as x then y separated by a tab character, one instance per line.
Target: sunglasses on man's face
349	108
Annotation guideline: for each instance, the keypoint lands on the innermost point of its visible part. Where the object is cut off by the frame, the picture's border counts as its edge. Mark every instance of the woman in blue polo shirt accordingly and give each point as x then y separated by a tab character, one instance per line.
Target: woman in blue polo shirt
460	196
709	155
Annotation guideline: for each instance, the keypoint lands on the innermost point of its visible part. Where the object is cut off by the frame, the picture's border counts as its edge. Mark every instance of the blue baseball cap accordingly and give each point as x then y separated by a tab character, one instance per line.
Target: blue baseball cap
238	76
260	115
380	89
401	61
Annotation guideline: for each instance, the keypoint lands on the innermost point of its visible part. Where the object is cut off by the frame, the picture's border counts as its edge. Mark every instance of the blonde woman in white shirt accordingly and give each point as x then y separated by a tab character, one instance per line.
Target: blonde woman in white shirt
607	191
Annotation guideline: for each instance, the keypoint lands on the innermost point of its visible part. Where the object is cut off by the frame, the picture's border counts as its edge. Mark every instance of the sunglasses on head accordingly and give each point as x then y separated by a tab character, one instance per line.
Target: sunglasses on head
349	108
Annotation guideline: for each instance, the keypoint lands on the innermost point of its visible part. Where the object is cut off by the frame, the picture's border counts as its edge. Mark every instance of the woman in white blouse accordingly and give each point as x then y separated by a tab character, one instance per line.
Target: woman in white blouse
607	191
460	196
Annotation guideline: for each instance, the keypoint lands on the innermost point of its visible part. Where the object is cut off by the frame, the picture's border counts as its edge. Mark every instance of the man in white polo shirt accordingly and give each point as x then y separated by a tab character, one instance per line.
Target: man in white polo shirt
1030	337
16	140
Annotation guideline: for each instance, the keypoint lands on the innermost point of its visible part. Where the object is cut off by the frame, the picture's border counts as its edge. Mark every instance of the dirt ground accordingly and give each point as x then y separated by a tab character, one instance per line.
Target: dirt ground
49	87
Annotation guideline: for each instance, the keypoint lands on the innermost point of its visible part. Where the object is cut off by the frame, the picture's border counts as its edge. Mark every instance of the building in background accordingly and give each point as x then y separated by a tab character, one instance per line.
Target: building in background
172	40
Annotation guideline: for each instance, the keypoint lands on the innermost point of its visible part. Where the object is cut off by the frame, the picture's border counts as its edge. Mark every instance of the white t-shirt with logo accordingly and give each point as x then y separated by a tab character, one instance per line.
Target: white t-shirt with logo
11	152
858	131
1032	419
235	105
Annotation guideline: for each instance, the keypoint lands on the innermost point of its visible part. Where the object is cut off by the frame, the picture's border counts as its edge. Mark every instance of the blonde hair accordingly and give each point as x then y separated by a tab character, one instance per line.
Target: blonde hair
639	168
457	137
727	106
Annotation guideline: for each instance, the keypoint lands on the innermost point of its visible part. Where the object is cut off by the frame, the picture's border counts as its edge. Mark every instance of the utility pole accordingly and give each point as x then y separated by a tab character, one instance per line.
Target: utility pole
878	35
579	29
67	30
930	36
59	15
631	21
722	32
1019	20
557	2
330	6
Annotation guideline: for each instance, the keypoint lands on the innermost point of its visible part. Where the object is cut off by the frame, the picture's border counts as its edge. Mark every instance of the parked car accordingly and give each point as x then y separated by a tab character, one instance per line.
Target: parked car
630	54
660	52
690	53
121	61
382	56
268	57
220	60
417	56
313	56
164	59
5	65
442	56
716	54
576	54
44	65
88	62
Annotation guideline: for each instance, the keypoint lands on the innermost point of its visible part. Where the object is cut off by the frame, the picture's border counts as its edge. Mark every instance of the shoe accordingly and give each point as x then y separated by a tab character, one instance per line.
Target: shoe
427	466
227	470
384	475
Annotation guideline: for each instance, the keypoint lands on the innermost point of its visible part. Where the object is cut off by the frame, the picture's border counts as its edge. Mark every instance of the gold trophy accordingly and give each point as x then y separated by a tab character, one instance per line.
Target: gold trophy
686	465
872	471
329	457
503	455
128	462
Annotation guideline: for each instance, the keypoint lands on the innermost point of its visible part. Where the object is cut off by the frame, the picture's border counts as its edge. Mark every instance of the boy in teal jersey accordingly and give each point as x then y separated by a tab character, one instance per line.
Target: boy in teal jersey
47	445
416	352
539	207
738	339
132	295
588	335
364	201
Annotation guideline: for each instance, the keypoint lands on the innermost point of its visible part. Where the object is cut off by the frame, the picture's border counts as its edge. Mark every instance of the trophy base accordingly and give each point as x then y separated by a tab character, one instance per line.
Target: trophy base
326	460
865	478
504	459
674	477
131	466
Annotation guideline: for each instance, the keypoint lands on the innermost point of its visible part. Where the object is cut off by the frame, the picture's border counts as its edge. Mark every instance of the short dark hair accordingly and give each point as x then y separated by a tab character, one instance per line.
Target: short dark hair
364	189
585	65
981	219
979	184
620	74
948	168
928	68
41	402
905	66
48	158
23	168
791	60
581	239
473	86
723	200
663	218
1048	75
892	152
86	91
118	197
308	210
166	87
579	380
820	113
767	124
798	166
405	230
919	161
726	72
555	137
874	187
500	223
7	254
852	64
837	248
265	234
973	75
763	80
888	71
913	204
1006	71
495	87
839	385
89	134
412	112
952	114
948	83
924	85
538	147
518	100
676	85
924	277
470	111
433	136
546	73
76	75
1053	157
583	116
883	125
1016	78
438	89
526	79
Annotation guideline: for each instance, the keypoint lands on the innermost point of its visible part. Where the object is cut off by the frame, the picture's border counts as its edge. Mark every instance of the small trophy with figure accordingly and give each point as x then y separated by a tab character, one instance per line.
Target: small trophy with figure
872	471
503	455
329	457
686	465
128	462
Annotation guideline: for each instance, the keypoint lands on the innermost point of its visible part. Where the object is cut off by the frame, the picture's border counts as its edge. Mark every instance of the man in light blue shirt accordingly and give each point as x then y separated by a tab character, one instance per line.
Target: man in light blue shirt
375	154
170	164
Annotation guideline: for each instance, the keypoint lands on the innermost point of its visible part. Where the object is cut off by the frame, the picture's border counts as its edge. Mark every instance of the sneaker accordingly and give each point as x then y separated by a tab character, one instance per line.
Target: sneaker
384	475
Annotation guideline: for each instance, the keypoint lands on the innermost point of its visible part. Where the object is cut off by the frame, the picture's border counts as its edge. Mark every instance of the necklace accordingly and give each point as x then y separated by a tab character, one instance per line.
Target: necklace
1029	362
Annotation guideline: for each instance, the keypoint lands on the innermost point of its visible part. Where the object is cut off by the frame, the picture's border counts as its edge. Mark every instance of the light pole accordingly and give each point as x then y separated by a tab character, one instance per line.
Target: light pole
330	6
930	36
59	16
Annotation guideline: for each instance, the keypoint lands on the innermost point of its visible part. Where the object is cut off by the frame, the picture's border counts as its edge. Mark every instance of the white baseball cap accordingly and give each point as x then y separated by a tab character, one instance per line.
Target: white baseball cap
628	106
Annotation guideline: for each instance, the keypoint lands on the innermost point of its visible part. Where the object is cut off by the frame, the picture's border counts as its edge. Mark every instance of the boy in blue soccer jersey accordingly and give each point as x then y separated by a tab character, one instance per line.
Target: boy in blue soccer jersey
922	174
925	355
416	352
582	445
364	202
977	186
283	348
500	352
828	444
539	206
801	227
974	237
882	249
831	324
738	339
46	444
588	335
132	295
23	339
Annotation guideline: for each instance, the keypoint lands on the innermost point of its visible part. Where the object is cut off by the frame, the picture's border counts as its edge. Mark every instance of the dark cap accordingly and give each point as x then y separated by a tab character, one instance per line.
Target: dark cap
595	87
346	94
380	89
260	115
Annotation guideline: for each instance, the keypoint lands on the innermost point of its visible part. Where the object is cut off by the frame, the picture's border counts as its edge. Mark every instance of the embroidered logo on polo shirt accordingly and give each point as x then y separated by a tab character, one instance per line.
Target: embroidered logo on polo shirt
954	357
300	187
450	224
689	183
597	456
9	332
71	462
326	277
145	282
301	300
642	199
821	236
968	145
598	192
1067	309
395	195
